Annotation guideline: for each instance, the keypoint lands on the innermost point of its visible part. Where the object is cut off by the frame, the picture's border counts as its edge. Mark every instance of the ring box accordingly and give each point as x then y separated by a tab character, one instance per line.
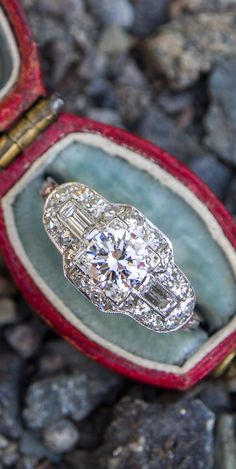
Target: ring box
37	141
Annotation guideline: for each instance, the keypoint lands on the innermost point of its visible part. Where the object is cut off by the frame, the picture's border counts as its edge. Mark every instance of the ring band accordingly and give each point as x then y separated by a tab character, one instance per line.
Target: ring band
117	258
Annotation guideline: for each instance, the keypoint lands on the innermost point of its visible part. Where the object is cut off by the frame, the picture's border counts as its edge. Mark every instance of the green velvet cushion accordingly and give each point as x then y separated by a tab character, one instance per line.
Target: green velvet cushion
196	252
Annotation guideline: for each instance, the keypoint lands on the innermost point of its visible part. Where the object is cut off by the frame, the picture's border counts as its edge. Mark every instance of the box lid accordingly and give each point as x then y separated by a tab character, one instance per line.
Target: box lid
21	82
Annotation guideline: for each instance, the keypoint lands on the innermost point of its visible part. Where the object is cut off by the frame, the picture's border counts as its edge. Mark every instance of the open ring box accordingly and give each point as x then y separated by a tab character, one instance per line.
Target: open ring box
125	169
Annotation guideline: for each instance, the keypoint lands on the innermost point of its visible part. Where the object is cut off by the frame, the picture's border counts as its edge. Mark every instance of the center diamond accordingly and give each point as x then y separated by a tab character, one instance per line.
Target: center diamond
116	260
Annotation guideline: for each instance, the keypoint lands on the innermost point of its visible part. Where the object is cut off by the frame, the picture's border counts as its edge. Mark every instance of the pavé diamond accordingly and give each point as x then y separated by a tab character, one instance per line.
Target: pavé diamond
116	259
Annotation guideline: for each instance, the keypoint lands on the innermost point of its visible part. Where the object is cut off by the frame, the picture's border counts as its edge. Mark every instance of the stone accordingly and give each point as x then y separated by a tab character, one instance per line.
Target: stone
11	367
107	116
75	395
178	7
225	444
133	93
214	173
149	15
230	201
61	436
120	12
162	130
31	447
25	338
114	40
10	455
8	313
189	46
215	396
220	121
6	286
133	439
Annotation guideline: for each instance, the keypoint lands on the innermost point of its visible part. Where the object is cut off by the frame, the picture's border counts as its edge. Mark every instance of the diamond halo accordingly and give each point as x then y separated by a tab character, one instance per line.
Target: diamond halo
117	258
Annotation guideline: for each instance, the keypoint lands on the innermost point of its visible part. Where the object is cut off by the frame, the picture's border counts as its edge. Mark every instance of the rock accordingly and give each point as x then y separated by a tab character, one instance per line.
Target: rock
10	455
225	445
114	40
91	430
175	103
6	286
32	447
120	12
3	442
220	121
178	7
8	313
189	46
230	201
11	368
149	15
133	93
61	436
25	338
143	435
108	116
214	173
215	396
165	132
75	395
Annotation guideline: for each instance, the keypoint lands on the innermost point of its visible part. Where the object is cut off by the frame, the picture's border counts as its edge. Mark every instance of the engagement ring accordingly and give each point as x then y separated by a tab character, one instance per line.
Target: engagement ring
117	258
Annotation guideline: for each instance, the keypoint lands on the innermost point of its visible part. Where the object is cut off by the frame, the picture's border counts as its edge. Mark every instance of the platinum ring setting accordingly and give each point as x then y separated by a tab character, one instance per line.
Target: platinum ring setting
117	258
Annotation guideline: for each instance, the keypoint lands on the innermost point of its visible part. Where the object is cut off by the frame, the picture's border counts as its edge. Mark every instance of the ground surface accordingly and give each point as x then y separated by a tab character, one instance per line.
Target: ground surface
164	70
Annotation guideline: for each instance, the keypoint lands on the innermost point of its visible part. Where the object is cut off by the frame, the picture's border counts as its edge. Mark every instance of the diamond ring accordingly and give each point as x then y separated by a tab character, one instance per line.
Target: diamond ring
117	258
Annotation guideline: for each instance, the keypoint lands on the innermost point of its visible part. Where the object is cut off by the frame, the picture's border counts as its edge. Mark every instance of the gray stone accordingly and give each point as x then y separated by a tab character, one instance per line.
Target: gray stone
189	46
25	338
220	122
163	131
114	40
10	455
8	313
214	173
149	15
6	286
230	201
175	103
215	396
108	116
143	435
75	395
133	93
178	7
120	12
225	443
11	368
31	446
61	436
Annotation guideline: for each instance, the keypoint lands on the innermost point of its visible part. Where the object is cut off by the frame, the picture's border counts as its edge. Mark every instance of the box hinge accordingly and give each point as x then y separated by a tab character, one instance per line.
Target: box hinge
27	129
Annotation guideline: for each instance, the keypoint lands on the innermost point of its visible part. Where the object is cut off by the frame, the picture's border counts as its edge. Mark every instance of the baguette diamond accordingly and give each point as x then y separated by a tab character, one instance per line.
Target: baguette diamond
117	258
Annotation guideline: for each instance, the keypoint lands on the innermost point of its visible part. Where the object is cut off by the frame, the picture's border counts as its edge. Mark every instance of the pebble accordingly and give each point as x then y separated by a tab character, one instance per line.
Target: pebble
230	201
107	116
189	46
133	93
11	368
178	7
152	436
114	40
120	12
220	121
8	312
225	444
75	395
61	436
162	130
149	15
214	173
7	288
25	338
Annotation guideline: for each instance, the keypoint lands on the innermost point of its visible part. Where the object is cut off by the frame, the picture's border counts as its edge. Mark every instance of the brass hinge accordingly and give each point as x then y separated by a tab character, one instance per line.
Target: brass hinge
27	129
